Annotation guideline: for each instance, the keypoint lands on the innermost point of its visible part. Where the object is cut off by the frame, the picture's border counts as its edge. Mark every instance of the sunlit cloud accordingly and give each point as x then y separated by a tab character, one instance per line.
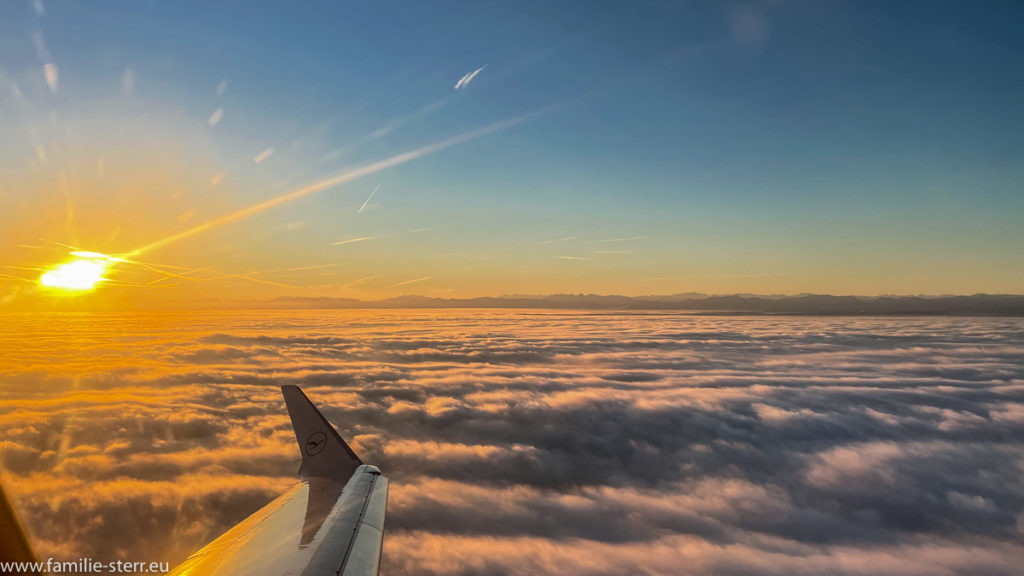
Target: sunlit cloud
468	77
51	74
221	88
600	443
419	230
217	178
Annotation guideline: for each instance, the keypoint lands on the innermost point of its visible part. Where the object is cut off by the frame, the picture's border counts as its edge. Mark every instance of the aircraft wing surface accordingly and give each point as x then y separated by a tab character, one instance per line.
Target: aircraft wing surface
331	523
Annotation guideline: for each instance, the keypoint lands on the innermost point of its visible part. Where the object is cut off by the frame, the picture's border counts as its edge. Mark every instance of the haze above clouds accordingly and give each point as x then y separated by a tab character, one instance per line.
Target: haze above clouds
530	443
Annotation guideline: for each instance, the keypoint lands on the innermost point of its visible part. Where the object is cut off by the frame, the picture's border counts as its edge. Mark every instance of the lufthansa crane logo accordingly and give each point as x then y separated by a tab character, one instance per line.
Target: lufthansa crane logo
315	443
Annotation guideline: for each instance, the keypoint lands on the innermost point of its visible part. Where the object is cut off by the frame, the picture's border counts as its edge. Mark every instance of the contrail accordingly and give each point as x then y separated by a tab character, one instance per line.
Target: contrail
610	240
351	240
406	283
361	208
360	281
468	77
342	178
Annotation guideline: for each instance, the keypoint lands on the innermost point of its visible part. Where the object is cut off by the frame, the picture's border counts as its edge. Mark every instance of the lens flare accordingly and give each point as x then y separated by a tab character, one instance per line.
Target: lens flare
86	271
82	273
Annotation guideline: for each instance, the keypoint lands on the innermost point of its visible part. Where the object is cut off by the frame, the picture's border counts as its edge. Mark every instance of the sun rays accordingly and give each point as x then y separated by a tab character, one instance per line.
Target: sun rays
88	270
84	272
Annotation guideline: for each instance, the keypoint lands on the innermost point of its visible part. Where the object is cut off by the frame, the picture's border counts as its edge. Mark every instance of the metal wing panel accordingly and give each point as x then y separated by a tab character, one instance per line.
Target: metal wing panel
323	526
364	556
266	543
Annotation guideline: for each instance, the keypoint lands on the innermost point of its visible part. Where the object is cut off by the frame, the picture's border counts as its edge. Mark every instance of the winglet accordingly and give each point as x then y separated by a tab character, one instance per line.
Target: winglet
324	453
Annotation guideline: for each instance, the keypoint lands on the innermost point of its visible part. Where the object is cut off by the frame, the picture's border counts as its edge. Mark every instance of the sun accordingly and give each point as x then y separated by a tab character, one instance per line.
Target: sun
83	273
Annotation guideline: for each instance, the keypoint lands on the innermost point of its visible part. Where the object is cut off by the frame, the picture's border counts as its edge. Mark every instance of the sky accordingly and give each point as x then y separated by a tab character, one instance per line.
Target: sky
244	151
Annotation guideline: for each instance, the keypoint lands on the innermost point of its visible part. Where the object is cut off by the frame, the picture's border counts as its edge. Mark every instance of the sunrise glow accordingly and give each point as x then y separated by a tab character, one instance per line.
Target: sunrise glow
83	273
554	288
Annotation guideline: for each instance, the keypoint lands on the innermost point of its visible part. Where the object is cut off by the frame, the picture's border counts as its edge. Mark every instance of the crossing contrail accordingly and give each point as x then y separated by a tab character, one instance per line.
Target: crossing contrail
361	208
340	178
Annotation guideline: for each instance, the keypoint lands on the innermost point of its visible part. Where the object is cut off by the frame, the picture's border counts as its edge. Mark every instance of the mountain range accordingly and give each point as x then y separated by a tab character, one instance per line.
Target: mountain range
967	305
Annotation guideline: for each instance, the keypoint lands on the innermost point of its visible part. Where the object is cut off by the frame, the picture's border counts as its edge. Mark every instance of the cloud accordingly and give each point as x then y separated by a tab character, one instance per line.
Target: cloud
51	74
528	443
428	553
468	77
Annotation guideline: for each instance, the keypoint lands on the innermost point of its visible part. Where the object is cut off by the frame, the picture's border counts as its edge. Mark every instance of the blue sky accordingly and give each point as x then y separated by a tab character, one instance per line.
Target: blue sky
845	147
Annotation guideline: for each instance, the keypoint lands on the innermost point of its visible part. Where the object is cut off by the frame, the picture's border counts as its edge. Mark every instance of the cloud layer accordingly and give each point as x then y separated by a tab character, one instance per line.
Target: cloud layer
525	443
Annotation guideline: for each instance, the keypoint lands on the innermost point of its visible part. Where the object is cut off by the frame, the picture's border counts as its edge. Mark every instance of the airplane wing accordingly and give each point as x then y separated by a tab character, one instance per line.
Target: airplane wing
331	523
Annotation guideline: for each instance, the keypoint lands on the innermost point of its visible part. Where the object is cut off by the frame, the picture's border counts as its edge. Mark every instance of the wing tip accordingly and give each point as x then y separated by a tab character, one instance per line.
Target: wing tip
324	452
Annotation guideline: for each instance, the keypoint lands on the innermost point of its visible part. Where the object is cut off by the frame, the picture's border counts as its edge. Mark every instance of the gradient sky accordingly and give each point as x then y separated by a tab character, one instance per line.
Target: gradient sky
768	147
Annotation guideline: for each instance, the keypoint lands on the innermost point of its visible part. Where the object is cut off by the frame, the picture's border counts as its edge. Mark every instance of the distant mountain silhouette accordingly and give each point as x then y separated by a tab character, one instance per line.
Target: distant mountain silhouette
972	305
